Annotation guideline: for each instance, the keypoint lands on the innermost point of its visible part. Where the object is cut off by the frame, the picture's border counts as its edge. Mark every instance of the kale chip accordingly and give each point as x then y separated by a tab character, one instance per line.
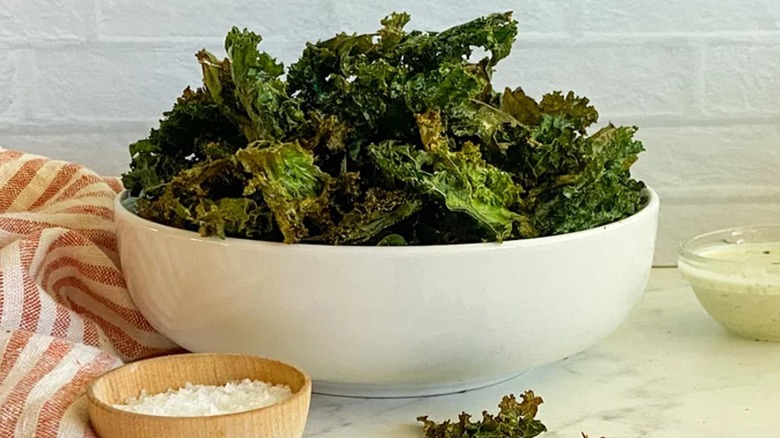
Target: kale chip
514	420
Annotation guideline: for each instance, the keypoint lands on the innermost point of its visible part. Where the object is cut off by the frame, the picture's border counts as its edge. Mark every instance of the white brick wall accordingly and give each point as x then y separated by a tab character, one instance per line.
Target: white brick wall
80	79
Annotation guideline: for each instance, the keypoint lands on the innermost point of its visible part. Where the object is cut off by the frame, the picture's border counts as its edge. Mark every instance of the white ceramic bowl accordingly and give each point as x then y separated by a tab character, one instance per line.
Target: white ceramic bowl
390	321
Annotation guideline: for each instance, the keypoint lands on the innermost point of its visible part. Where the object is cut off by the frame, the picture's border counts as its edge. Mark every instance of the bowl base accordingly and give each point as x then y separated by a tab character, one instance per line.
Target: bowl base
408	390
746	314
756	336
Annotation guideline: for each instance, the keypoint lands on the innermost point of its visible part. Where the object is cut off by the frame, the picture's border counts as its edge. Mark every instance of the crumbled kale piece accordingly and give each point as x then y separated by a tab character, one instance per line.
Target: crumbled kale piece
389	138
514	420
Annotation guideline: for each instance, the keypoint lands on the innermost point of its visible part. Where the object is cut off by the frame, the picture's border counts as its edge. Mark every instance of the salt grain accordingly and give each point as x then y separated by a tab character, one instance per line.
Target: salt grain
200	400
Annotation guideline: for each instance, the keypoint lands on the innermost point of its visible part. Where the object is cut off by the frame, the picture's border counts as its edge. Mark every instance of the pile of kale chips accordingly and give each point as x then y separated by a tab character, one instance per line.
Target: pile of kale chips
390	138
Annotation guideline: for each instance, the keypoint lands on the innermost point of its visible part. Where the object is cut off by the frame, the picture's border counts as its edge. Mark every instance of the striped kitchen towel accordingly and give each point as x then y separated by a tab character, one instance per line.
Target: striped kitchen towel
65	314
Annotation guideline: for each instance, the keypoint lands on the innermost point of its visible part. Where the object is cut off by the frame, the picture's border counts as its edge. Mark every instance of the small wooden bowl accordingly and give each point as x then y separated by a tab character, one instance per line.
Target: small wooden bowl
286	419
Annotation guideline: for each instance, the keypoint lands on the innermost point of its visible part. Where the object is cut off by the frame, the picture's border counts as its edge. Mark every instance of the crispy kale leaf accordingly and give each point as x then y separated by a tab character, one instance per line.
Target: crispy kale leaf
599	191
468	184
293	187
389	138
248	88
462	179
187	201
378	86
514	420
192	131
380	210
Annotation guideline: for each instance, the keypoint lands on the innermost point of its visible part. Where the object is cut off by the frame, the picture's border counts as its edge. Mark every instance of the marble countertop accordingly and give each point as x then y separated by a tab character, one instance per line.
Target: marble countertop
669	371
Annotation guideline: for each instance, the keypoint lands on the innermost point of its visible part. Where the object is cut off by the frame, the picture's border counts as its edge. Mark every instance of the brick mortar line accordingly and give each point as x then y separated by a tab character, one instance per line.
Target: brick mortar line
718	193
97	44
680	121
672	201
724	36
49	128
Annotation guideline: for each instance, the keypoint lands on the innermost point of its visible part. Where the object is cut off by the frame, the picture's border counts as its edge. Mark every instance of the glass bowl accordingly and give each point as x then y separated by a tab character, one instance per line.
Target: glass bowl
735	274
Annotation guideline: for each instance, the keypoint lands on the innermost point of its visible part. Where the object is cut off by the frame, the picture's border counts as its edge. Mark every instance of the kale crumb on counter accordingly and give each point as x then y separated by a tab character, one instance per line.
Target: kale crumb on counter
390	138
513	420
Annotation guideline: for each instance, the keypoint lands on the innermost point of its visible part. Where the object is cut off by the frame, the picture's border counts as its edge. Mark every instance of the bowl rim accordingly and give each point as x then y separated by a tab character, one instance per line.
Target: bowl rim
94	399
650	208
685	252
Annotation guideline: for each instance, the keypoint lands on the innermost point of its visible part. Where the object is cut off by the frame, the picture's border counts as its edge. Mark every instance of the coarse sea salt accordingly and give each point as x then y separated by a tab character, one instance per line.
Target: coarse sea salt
202	400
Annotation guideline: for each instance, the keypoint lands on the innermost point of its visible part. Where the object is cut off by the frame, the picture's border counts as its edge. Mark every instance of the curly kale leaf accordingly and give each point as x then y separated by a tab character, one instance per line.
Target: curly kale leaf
401	164
462	179
601	191
378	86
194	130
574	108
514	420
294	188
572	182
380	210
392	240
520	106
327	132
447	87
392	31
322	75
470	185
235	217
495	129
494	33
248	88
187	201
